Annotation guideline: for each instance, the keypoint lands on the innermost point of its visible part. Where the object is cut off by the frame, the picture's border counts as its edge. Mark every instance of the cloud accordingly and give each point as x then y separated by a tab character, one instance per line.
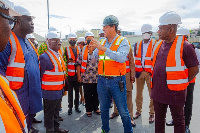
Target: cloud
57	16
89	14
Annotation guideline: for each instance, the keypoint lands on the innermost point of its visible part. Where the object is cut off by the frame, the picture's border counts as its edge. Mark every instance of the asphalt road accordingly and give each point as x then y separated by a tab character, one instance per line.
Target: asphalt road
80	123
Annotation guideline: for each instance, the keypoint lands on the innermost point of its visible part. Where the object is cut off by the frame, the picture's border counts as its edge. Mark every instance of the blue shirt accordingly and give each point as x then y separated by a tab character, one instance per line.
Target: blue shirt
120	55
46	64
29	95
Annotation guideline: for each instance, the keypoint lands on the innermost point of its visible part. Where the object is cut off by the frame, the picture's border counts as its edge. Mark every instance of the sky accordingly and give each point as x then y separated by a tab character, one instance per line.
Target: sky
66	15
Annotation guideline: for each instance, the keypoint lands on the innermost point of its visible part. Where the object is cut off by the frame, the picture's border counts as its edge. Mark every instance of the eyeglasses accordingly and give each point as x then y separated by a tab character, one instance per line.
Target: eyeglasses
7	17
3	6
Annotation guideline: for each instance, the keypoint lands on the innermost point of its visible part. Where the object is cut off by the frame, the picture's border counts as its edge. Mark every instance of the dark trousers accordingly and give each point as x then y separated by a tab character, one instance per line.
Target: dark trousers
188	104
51	114
73	85
91	97
177	115
29	120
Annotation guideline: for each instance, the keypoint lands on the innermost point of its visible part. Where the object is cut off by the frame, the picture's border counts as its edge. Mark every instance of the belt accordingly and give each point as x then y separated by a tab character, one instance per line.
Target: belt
110	77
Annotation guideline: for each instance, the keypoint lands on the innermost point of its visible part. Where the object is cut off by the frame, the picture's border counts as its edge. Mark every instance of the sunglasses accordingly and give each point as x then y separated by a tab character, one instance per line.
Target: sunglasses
3	6
7	17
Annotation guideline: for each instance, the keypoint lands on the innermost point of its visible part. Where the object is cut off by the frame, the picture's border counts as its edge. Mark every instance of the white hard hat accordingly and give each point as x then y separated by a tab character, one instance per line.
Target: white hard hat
30	36
183	31
53	34
72	35
119	28
81	39
89	34
101	31
52	29
36	42
146	28
170	18
9	5
23	11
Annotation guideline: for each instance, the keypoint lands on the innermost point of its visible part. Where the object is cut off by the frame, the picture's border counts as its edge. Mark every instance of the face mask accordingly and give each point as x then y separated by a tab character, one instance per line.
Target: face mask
101	38
146	36
72	42
88	42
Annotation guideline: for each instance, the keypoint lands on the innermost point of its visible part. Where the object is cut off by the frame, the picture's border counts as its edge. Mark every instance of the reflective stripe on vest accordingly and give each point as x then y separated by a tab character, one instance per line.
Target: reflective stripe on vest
147	59
71	65
109	67
54	79
61	51
177	73
84	58
12	116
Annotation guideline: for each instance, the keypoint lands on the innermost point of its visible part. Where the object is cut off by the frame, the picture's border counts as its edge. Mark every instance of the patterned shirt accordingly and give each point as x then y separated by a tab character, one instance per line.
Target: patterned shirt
91	73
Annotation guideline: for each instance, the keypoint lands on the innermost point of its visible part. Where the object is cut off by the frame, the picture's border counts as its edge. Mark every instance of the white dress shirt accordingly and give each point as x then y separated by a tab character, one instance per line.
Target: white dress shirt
145	47
56	54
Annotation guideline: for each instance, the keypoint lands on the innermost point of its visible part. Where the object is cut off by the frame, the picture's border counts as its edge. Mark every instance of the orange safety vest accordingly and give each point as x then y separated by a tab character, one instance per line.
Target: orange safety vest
84	58
54	79
107	66
128	69
61	51
12	116
176	71
138	57
15	68
71	65
194	79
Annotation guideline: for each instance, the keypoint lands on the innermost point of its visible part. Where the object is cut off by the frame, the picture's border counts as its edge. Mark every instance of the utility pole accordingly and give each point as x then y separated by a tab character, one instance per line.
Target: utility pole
48	12
70	29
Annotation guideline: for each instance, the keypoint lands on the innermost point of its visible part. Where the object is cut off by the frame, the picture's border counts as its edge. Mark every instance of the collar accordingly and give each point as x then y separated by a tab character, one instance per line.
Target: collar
56	53
112	40
147	42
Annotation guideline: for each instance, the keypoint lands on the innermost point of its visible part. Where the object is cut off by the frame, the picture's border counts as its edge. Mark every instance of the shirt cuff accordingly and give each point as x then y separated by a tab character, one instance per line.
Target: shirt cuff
108	52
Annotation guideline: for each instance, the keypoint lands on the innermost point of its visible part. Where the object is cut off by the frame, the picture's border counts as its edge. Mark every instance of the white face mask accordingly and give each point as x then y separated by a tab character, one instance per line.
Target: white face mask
146	36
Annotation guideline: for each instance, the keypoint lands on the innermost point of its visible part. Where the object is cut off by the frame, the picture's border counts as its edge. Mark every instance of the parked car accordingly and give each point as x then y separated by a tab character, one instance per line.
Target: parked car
196	44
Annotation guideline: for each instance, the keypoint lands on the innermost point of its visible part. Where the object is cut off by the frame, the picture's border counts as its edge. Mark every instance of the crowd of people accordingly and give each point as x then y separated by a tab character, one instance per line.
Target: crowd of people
102	71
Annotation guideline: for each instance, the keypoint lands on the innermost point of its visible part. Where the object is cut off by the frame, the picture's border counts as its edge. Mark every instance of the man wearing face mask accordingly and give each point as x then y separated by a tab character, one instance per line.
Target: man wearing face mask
101	35
81	44
143	63
72	52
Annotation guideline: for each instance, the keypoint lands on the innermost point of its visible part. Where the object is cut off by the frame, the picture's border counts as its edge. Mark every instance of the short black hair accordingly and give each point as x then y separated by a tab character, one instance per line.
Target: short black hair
116	26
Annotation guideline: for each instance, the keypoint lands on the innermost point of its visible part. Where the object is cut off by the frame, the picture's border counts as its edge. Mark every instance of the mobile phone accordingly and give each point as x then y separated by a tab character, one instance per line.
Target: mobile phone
121	85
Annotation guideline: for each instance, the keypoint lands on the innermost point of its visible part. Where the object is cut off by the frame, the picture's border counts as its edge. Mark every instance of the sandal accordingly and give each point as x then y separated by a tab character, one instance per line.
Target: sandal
98	112
89	114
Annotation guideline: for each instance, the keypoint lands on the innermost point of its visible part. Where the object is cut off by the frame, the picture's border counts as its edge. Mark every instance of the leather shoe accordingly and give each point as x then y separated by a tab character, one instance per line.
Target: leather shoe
137	115
151	119
33	130
60	130
187	130
113	115
78	110
60	118
36	121
133	123
70	111
170	123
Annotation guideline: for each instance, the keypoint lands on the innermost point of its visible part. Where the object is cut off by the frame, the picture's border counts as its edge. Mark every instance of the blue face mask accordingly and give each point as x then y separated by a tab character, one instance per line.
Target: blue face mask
101	38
